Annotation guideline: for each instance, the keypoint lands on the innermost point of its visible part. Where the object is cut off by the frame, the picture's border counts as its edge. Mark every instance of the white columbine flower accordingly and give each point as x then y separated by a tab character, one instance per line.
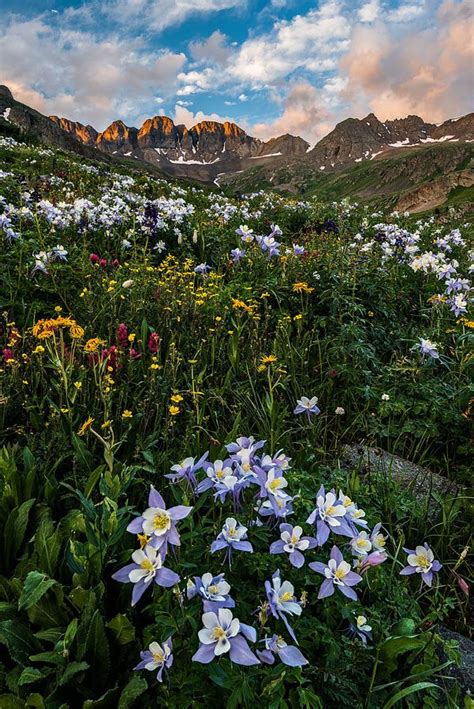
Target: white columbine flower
361	544
149	561
421	560
361	621
339	411
218	629
328	510
293	541
233	531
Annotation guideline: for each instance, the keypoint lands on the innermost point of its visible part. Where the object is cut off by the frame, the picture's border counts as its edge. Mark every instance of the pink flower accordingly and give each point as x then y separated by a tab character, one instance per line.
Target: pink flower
122	335
153	342
93	258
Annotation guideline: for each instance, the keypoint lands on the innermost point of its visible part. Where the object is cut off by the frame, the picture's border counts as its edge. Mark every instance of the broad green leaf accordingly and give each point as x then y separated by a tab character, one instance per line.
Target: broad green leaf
407	691
47	545
132	691
9	701
20	641
29	675
97	651
71	670
35	586
123	629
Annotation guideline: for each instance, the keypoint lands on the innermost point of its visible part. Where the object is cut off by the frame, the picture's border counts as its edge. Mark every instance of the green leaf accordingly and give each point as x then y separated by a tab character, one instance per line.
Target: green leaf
123	629
35	700
393	647
47	545
9	701
408	690
30	674
132	691
21	523
97	651
35	586
71	670
19	640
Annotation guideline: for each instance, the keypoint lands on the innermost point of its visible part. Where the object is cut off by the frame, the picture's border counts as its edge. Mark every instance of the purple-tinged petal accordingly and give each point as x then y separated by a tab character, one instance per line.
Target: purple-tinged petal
172	536
427	577
296	559
166	578
409	551
138	590
136	525
318	566
204	654
349	592
407	571
122	574
352	578
179	512
312	543
248	632
336	554
291	656
283	617
243	546
155	499
327	589
240	653
265	656
312	518
159	674
436	566
217	545
285	527
322	532
277	547
344	529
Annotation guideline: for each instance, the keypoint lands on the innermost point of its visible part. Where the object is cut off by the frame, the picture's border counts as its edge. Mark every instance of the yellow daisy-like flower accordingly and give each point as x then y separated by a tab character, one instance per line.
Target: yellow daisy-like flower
106	424
39	349
176	398
174	410
93	344
76	332
267	360
127	414
302	287
85	426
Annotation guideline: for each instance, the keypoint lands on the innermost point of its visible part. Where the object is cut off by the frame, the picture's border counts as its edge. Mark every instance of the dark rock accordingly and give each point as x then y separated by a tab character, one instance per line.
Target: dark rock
464	674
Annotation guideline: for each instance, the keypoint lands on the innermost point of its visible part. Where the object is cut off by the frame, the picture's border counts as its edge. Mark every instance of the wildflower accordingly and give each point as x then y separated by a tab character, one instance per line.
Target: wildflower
338	573
127	414
293	544
302	287
93	344
128	284
385	397
187	468
94	258
361	544
176	398
221	634
282	600
232	537
237	254
147	567
377	538
363	563
158	522
39	349
76	331
458	304
245	233
157	657
298	250
153	342
307	406
329	515
427	347
216	472
361	629
265	360
85	426
214	590
202	268
421	561
174	410
289	654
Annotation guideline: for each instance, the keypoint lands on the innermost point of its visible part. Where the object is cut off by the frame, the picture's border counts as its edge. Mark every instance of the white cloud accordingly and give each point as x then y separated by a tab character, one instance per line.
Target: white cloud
369	11
160	14
184	115
214	50
243	97
407	12
75	74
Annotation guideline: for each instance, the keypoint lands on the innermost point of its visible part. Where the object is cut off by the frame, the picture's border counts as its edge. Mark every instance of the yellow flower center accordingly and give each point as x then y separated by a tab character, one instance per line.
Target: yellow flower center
422	561
158	656
160	521
286	596
218	633
213	588
330	510
274	484
340	573
147	564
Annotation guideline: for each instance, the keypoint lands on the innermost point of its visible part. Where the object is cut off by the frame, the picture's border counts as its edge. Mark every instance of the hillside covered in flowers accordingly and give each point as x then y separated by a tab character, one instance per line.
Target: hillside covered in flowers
180	372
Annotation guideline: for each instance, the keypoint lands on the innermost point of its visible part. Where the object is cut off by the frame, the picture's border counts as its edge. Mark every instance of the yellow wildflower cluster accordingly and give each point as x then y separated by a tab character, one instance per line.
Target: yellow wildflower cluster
93	344
44	329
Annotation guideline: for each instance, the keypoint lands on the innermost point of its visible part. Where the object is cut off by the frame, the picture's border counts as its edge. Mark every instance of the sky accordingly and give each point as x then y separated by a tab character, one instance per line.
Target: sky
272	66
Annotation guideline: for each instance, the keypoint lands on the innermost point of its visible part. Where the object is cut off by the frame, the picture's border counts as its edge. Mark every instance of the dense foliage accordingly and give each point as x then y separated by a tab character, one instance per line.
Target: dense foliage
150	330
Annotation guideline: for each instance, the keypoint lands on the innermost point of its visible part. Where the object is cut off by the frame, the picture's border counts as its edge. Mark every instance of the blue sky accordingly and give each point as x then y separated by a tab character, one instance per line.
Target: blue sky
273	66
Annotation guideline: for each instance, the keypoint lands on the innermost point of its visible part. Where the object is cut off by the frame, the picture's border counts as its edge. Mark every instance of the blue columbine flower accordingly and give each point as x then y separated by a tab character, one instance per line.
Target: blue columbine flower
338	575
186	470
158	523
147	568
157	657
292	543
222	634
214	591
329	515
282	601
307	406
289	654
232	537
421	561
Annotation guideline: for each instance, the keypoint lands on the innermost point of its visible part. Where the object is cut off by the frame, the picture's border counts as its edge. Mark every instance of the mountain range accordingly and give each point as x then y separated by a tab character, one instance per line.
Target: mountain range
224	153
